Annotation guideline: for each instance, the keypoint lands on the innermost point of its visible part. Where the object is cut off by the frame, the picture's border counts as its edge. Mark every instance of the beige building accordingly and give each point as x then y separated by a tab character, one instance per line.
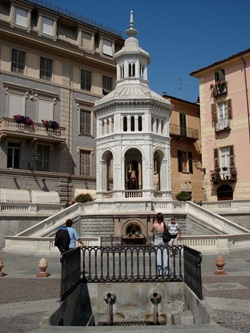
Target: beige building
225	127
187	173
53	68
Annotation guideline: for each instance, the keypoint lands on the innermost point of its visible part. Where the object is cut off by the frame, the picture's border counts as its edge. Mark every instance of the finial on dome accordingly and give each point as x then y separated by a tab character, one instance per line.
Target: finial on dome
131	32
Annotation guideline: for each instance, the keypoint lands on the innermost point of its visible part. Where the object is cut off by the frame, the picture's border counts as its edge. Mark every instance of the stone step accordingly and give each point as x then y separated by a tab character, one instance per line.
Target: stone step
182	318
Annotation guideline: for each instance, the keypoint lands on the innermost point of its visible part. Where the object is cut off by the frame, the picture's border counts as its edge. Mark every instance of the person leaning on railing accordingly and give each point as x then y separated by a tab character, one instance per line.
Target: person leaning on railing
73	235
158	229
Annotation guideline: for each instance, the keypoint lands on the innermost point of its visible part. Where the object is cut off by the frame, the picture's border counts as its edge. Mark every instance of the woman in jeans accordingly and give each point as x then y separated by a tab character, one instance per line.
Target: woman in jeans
162	256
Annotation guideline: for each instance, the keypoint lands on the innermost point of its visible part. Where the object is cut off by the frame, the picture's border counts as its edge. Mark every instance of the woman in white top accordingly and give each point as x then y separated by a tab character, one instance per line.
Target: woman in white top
162	256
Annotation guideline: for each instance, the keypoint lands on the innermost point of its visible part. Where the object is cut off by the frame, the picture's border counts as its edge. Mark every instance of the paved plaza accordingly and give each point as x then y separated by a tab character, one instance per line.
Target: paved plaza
26	301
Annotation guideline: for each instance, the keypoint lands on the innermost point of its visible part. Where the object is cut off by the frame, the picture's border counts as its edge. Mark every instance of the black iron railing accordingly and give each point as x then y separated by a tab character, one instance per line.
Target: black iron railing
131	264
71	271
183	131
192	270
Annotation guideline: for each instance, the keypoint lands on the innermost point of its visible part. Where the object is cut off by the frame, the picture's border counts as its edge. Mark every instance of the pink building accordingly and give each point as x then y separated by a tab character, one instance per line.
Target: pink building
225	127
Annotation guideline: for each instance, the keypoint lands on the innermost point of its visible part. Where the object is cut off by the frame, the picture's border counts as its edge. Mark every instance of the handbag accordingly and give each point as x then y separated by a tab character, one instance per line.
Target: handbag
166	234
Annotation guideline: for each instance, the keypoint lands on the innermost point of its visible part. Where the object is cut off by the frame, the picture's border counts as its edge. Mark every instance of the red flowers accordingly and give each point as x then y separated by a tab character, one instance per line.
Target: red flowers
50	124
23	120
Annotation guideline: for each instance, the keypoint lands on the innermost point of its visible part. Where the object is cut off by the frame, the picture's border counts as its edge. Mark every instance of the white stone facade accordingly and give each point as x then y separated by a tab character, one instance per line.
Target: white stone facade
133	143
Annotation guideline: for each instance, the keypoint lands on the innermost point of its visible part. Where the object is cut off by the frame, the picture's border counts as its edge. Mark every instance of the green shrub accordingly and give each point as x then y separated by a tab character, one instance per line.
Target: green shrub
83	197
183	196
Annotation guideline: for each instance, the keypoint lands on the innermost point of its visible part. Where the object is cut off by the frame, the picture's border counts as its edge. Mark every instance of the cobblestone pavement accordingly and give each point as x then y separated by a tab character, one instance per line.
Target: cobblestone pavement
231	319
27	292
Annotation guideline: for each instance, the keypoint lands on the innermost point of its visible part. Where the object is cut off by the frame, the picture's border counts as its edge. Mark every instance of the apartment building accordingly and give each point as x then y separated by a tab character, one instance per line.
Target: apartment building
184	127
225	127
53	67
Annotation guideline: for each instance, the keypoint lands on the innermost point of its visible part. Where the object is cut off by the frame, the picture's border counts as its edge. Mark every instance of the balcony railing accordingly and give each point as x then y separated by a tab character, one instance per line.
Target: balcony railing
222	174
183	132
222	125
219	88
9	127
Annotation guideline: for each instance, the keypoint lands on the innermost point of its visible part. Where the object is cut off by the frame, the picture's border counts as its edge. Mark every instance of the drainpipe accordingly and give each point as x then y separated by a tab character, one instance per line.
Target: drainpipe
247	100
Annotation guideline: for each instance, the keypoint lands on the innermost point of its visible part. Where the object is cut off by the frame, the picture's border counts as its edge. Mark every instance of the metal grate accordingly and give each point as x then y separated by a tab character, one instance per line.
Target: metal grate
128	323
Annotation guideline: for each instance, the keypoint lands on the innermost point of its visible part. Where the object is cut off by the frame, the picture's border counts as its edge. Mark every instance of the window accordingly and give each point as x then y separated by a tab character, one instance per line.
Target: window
45	68
13	155
219	75
85	122
21	17
85	162
224	157
131	70
132	123
125	124
224	162
107	47
86	40
15	105
106	84
85	80
140	123
45	110
185	162
43	154
18	61
183	125
47	26
221	115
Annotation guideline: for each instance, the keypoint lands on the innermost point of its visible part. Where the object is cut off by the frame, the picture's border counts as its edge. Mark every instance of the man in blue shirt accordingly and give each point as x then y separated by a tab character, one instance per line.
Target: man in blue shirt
73	235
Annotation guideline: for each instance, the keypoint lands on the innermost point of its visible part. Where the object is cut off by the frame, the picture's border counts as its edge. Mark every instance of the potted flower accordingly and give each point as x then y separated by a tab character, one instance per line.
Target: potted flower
184	196
50	124
23	120
83	197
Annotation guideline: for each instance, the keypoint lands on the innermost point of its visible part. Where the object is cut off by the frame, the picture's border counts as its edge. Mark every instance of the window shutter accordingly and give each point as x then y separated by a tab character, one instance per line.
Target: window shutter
179	160
231	149
107	47
190	162
229	109
21	17
216	164
214	114
47	26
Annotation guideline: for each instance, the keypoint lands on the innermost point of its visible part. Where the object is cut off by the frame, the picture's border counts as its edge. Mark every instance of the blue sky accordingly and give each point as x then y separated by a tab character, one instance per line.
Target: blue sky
181	36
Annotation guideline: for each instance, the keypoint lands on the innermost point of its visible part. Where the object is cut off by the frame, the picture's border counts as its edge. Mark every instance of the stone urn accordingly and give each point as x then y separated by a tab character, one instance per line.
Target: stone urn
43	265
220	263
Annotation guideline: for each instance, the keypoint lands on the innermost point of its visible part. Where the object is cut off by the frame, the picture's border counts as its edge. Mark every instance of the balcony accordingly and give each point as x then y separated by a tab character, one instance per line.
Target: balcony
223	125
181	132
219	88
223	175
10	128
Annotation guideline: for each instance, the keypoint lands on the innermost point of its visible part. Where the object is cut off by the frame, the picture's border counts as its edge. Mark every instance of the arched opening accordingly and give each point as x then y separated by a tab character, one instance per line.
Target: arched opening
225	192
134	235
133	171
107	179
133	230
